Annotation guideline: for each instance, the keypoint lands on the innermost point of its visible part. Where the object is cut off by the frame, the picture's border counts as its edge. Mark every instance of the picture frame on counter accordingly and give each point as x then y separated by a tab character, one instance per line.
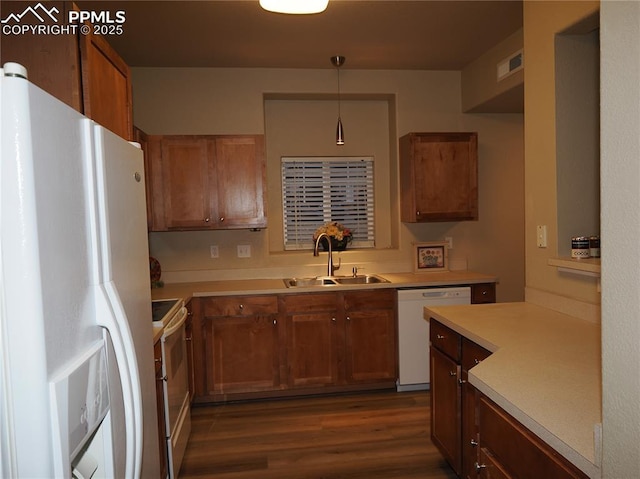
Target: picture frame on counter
430	256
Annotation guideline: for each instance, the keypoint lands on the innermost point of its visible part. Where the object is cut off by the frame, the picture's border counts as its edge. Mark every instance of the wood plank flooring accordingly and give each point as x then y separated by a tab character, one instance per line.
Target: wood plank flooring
372	435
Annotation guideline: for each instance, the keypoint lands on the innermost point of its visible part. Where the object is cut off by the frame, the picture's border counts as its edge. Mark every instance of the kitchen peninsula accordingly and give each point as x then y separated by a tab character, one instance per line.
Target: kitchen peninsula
544	370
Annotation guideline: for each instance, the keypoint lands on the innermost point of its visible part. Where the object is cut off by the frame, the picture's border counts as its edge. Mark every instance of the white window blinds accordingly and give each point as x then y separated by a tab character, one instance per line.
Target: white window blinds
318	190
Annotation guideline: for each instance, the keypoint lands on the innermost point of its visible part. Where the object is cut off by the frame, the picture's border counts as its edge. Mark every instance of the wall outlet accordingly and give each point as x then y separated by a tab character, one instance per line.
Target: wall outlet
449	241
541	236
213	249
244	251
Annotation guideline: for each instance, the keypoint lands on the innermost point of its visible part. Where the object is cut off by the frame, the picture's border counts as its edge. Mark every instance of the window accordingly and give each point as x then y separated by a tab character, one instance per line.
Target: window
317	190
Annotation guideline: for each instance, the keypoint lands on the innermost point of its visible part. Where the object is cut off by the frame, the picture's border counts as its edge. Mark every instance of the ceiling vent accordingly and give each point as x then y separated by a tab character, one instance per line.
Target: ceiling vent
510	65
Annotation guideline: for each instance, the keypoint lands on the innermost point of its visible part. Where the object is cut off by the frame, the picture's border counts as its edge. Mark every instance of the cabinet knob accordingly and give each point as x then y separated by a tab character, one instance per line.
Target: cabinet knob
221	219
241	307
333	319
275	321
161	378
417	213
348	318
484	293
480	467
473	443
206	220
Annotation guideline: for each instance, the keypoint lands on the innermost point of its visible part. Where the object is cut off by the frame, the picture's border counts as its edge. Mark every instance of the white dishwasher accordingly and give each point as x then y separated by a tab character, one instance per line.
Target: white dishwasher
413	331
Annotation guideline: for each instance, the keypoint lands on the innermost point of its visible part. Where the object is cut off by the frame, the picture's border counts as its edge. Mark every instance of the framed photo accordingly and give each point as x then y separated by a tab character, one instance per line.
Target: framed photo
430	257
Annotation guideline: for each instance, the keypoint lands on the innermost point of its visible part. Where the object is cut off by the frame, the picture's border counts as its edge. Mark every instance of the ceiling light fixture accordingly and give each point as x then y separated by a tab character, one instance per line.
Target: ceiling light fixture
337	61
295	7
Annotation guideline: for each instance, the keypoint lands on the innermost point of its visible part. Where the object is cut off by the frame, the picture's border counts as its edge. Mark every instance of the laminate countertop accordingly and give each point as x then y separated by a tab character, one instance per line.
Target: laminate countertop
545	371
277	286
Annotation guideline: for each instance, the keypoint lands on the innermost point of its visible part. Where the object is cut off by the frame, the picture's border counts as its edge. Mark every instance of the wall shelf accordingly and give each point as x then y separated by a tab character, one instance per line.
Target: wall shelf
587	267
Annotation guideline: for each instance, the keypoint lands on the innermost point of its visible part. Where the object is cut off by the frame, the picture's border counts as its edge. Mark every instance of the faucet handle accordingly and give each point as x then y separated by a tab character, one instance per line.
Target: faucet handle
334	268
355	270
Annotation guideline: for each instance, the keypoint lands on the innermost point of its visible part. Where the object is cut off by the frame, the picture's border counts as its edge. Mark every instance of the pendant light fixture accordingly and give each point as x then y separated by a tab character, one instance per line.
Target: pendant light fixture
295	7
337	61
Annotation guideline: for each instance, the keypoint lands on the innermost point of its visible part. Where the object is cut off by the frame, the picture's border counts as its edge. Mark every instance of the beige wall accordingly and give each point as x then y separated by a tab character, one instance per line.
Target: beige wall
542	21
388	103
620	50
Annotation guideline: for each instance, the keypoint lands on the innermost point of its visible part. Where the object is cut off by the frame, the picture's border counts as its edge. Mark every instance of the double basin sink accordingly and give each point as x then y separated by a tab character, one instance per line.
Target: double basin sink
334	281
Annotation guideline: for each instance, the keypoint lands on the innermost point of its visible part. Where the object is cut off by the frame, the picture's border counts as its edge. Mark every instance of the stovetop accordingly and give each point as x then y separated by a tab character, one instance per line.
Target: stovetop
161	309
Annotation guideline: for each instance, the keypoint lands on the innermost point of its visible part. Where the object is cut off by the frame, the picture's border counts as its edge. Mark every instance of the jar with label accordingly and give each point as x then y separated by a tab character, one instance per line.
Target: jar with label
580	247
594	246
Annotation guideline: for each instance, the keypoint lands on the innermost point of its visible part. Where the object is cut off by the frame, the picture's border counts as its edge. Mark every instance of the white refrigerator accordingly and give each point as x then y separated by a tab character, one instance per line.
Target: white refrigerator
77	382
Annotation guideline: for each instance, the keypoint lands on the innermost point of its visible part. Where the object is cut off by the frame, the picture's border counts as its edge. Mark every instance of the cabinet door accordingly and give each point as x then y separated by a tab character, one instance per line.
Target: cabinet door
189	339
439	175
445	407
241	354
371	353
106	86
52	61
185	178
312	349
240	182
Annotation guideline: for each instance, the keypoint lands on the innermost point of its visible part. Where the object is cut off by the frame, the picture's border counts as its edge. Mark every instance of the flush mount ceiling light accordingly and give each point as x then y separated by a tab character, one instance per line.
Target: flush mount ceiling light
295	7
337	61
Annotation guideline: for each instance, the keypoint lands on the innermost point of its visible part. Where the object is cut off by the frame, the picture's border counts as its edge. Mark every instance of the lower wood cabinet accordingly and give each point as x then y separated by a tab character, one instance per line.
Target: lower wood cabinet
477	438
241	346
290	344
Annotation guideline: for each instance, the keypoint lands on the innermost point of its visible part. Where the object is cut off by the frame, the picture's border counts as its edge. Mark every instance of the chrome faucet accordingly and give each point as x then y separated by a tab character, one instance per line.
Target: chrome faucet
330	267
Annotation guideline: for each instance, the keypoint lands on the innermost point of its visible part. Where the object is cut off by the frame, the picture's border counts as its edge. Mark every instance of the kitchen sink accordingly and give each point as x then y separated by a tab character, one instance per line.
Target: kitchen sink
333	281
363	279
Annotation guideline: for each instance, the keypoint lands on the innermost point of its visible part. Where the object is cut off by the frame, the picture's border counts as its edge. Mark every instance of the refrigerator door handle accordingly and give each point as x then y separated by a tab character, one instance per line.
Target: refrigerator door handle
111	316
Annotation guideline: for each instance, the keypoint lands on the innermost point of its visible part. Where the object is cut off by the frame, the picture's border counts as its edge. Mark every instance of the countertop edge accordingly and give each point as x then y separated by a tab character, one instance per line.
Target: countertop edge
277	286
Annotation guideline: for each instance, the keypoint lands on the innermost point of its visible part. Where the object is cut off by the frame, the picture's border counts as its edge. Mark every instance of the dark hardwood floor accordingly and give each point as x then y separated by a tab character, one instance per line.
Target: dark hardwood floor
372	435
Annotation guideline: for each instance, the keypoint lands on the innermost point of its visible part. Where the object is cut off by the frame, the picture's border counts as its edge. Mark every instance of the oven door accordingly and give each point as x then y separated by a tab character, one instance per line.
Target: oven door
176	390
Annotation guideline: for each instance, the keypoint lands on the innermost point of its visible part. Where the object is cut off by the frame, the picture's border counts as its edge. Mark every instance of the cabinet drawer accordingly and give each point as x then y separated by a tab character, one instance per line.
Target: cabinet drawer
303	303
240	305
483	293
517	449
377	299
445	339
472	354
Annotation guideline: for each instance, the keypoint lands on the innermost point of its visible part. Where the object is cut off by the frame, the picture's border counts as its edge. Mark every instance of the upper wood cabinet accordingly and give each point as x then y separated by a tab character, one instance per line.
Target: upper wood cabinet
206	182
439	177
83	71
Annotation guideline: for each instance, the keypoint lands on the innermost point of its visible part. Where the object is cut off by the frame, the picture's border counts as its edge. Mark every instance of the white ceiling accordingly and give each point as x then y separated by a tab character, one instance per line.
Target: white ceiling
372	34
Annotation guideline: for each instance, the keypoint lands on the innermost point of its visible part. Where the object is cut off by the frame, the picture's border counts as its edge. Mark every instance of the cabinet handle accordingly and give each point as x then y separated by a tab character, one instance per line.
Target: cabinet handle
461	381
206	220
161	378
158	360
473	443
476	361
452	373
480	467
188	338
439	336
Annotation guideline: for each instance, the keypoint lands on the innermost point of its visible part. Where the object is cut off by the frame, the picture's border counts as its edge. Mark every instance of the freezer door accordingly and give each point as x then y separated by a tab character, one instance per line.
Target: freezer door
122	247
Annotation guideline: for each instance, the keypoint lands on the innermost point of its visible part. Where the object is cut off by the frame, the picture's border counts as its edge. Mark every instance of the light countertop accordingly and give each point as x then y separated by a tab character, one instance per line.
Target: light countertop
545	371
276	286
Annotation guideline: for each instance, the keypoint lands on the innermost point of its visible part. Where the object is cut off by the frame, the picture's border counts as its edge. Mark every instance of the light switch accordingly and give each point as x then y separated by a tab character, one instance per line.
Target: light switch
541	236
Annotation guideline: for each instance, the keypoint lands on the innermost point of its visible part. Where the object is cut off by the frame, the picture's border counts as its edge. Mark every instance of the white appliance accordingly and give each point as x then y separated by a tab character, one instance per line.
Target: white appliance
413	331
77	383
177	400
